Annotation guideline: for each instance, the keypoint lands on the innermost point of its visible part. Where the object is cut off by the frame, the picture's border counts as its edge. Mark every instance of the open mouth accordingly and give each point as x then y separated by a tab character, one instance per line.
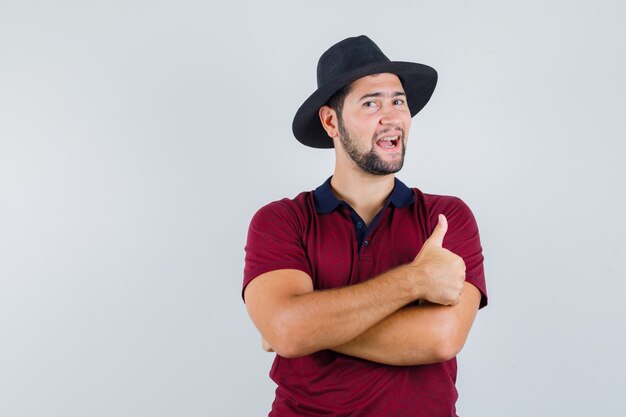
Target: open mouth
389	142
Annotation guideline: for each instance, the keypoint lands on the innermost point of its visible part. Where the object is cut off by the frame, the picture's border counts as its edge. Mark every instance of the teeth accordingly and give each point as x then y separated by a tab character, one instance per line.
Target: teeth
390	138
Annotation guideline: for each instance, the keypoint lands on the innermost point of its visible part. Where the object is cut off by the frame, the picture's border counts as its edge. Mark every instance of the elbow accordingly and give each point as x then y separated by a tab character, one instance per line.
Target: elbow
288	340
445	351
288	348
289	353
449	343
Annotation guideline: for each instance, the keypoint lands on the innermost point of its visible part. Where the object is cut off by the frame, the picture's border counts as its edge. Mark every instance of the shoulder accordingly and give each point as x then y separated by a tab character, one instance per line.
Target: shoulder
454	208
440	201
285	211
275	237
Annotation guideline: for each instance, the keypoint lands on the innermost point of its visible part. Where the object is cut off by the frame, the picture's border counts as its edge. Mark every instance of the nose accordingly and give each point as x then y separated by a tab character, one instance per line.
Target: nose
390	116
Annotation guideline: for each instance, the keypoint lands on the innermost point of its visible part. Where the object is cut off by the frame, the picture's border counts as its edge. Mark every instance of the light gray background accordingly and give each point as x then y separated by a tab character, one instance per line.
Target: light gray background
137	138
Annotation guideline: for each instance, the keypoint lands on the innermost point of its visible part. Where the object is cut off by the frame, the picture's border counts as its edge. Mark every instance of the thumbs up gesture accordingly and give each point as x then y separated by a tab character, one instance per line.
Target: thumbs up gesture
440	273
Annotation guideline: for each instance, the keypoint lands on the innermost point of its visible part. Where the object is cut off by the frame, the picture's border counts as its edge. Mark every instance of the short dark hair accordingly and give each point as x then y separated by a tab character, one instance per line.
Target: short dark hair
336	101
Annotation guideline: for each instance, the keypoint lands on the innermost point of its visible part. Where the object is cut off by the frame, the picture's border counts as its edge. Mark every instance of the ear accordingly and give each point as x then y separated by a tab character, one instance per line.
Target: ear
328	118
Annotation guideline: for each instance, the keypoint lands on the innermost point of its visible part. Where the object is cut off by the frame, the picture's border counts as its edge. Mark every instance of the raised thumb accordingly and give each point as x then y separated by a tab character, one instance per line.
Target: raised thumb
436	238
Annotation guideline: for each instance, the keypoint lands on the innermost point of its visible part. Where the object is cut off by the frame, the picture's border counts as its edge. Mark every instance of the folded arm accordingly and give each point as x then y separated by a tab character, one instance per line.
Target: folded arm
295	320
417	335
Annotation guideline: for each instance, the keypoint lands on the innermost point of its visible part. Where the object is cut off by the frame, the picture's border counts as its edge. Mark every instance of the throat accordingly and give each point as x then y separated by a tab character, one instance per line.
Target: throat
366	194
367	214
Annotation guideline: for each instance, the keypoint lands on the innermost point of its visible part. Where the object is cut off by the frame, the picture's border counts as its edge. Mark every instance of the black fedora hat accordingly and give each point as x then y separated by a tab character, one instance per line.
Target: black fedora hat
347	61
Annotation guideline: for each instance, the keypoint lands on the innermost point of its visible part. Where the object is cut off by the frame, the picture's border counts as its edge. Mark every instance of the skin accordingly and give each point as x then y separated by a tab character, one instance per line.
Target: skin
376	319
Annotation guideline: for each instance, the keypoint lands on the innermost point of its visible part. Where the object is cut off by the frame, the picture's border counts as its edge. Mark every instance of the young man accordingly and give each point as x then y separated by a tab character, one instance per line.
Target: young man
366	289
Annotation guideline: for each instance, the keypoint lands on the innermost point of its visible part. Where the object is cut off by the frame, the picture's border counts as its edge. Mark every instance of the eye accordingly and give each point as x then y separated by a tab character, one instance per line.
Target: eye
370	104
398	102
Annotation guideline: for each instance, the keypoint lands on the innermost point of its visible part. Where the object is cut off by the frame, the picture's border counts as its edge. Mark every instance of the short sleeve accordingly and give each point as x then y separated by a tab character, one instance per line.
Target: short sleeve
463	239
275	242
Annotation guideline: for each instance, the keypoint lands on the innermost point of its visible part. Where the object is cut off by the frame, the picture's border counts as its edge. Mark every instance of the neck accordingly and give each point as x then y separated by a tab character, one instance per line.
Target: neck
366	193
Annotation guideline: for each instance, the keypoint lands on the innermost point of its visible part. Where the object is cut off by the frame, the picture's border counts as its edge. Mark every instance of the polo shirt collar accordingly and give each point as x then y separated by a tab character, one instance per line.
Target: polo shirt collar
326	202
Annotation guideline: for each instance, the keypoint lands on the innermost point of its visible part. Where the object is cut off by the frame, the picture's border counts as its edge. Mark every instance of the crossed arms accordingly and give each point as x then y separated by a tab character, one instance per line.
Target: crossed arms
375	320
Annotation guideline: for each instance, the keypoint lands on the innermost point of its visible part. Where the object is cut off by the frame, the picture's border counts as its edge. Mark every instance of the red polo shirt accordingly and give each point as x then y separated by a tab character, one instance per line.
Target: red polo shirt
324	237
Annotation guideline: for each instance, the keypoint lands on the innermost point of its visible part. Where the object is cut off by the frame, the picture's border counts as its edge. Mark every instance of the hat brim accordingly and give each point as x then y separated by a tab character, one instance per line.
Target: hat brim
418	80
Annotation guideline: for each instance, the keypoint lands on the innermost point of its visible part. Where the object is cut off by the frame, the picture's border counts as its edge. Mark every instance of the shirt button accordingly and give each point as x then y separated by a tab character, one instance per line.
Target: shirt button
365	243
359	225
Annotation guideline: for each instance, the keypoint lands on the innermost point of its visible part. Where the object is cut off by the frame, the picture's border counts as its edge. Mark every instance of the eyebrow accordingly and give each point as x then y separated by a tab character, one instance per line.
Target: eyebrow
379	94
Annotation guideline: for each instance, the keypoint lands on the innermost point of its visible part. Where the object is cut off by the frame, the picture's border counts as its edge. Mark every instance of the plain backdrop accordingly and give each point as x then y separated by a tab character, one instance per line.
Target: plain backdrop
137	139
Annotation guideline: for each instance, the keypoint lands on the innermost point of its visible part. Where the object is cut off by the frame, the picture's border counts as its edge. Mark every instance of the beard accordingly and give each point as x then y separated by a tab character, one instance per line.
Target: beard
370	161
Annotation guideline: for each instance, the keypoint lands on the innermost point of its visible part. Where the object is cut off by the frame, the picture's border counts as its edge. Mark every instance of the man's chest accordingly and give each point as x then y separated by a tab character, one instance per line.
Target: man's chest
336	260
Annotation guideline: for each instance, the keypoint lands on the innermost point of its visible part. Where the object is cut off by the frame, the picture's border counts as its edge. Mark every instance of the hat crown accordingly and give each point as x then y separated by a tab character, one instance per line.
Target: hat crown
346	56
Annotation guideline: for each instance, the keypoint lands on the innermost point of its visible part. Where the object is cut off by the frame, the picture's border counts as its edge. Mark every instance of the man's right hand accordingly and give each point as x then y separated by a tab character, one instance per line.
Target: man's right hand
440	273
297	320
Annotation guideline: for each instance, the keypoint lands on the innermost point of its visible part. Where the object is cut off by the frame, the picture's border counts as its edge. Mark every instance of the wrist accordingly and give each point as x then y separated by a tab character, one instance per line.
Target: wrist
412	276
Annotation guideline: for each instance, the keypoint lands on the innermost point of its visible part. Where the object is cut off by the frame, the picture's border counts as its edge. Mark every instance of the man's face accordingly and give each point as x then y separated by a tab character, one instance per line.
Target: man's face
374	124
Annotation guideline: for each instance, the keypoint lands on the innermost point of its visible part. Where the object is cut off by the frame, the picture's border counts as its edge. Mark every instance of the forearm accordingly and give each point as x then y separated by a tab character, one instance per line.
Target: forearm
310	321
297	321
417	335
